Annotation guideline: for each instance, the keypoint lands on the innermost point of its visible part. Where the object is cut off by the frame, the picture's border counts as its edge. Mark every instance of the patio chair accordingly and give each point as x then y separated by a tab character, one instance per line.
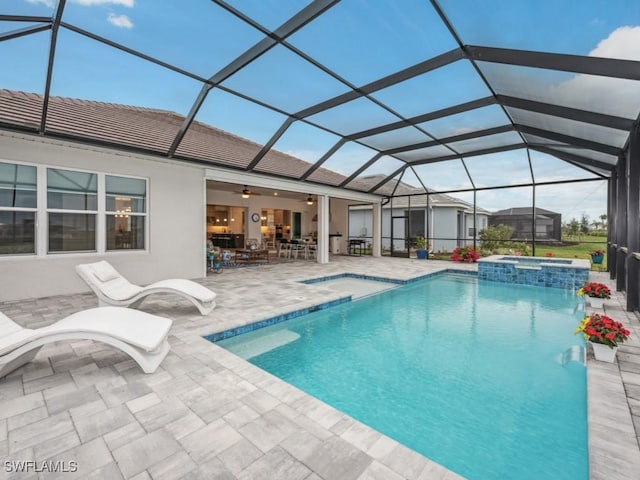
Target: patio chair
284	248
140	335
113	289
298	247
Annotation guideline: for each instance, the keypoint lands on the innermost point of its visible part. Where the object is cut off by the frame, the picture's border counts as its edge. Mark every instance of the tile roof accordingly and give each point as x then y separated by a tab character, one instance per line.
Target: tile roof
524	211
153	130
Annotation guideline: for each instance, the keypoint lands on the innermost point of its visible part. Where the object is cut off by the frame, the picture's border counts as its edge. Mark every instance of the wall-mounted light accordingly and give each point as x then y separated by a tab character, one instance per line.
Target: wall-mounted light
309	200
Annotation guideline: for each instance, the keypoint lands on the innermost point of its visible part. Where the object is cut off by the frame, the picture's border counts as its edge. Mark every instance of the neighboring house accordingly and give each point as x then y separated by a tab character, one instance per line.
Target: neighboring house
548	223
450	220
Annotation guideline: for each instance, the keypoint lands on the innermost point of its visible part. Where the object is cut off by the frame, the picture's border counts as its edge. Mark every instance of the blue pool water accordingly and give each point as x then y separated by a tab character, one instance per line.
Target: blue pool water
466	372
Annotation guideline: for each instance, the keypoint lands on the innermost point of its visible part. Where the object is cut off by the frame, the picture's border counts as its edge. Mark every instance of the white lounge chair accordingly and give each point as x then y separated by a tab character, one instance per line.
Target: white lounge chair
113	289
140	335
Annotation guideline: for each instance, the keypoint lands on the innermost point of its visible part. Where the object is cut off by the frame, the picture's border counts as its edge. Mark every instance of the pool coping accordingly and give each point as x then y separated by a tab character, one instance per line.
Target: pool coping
614	443
267	322
378	278
577	263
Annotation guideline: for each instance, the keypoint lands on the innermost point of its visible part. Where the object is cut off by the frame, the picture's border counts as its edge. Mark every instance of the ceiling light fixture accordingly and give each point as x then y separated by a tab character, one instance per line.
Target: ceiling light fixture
245	192
309	200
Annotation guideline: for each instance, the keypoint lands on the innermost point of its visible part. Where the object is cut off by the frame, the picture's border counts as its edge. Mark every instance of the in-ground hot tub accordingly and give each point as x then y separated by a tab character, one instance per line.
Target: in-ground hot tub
540	271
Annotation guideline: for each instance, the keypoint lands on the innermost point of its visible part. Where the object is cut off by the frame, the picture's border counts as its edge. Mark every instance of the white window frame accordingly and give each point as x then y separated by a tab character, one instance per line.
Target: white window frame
25	209
102	182
42	215
95	213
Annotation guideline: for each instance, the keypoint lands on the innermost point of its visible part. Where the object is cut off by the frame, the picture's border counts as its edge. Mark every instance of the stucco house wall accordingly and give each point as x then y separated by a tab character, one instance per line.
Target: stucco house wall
444	229
175	221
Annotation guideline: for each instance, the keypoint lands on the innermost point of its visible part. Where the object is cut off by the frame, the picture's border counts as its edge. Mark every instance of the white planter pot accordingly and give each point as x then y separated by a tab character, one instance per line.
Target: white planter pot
596	302
604	353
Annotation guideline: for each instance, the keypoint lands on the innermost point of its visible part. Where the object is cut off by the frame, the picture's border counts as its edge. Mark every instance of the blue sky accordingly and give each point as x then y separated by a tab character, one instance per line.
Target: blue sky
360	40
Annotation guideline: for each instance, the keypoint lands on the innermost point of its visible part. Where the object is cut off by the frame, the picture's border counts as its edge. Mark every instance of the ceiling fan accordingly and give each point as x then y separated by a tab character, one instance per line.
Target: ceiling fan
246	193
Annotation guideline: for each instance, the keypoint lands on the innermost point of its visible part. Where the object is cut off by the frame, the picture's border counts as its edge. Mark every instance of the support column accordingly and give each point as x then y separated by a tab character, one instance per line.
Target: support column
323	229
533	219
428	224
612	210
633	219
621	224
475	220
376	244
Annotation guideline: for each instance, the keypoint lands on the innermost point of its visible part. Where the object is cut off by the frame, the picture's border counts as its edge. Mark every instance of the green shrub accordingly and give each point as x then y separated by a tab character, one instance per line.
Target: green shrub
493	237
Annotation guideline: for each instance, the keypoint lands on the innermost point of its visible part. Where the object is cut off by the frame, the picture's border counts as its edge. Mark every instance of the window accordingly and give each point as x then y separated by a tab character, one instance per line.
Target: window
72	210
18	209
83	211
126	209
416	222
472	232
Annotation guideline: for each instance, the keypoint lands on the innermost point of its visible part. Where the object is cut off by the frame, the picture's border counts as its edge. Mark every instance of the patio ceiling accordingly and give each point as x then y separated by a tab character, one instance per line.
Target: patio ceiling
365	93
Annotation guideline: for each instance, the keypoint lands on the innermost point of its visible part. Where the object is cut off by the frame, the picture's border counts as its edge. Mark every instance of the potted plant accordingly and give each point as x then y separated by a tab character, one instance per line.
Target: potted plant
465	254
597	256
422	248
595	292
604	334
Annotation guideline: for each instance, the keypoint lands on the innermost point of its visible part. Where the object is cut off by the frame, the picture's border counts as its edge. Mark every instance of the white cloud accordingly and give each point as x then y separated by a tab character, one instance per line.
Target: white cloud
47	3
88	3
615	96
463	130
121	21
622	43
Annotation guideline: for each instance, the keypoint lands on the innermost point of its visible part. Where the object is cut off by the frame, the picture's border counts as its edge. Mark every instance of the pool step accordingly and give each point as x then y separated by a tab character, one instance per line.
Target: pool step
264	344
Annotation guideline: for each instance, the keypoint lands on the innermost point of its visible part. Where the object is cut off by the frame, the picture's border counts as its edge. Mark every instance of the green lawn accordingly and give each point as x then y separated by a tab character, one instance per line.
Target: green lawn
588	243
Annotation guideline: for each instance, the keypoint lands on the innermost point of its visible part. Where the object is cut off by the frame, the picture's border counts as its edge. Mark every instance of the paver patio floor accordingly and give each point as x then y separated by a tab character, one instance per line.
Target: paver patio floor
208	414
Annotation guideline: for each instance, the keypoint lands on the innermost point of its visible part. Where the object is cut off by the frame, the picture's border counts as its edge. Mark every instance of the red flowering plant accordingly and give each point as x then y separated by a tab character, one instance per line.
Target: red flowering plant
597	253
465	254
595	289
602	329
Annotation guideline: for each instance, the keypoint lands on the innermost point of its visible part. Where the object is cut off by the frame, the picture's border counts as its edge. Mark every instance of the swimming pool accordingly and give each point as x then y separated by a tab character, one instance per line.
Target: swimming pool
466	372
